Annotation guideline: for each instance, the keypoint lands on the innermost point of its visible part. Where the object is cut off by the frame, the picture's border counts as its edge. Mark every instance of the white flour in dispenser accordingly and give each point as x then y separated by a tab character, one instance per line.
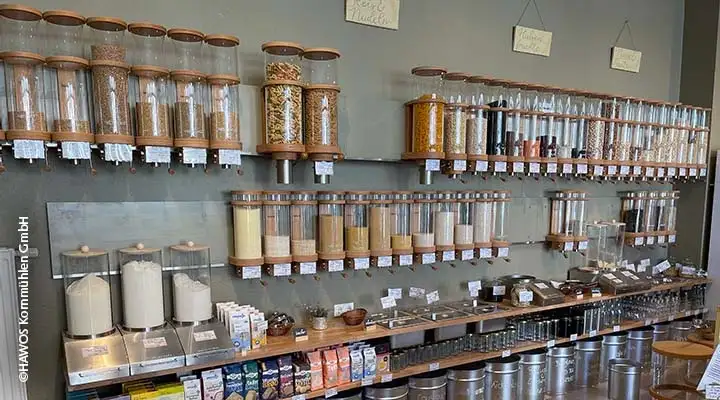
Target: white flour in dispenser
88	306
191	298
142	294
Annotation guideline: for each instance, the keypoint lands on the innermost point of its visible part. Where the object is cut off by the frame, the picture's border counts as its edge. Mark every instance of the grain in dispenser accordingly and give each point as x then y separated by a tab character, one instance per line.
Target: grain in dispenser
444	220
94	349
321	110
276	232
304	230
357	229
501	211
149	92
224	84
247	228
400	231
203	338
424	120
483	223
24	83
476	125
331	230
151	343
110	76
455	124
69	85
283	107
464	225
381	222
190	100
423	226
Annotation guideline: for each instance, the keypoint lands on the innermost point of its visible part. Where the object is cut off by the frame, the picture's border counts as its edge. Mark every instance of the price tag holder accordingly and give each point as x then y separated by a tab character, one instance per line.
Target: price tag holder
582	169
567	168
281	269
395	293
506	353
448	255
661	172
428	258
503	252
298	397
649	171
703	171
417	293
612	170
339	309
534	168
384	261
474	288
568	246
481	166
639	241
323	167
518	167
552	168
308	268
459	165
661	239
671	238
331	392
550	343
405	259
650	240
485	253
573	337
597	170
251	272
432	165
596	292
432	297
616	328
367	381
388	302
583	245
500	166
336	265
636	170
671	171
593	333
361	263
671	318
624	170
682	171
386	378
659	268
648	322
467	255
434	366
693	171
499	290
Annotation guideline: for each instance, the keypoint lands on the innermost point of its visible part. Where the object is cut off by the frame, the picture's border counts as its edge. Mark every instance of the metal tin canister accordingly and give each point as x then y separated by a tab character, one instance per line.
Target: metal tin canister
624	379
466	382
639	346
561	368
395	390
661	331
587	362
613	346
531	374
428	386
501	375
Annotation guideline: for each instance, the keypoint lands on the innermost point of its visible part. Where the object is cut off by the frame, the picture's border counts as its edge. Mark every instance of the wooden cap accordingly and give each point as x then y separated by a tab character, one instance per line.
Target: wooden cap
478	79
189	246
222	40
683	350
282	48
21	57
63	17
149	71
84	252
321	54
456	76
147	29
428	71
187	75
109	24
185	35
20	12
223	79
67	62
139	249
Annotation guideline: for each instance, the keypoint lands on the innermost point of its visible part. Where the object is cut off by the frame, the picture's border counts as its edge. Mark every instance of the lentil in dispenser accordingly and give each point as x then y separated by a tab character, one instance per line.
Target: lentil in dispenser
497	124
321	111
483	223
464	226
69	86
424	120
381	229
444	221
276	231
304	225
110	76
401	234
423	226
247	228
283	106
190	96
24	83
94	348
455	124
224	85
331	228
357	227
476	125
501	210
149	91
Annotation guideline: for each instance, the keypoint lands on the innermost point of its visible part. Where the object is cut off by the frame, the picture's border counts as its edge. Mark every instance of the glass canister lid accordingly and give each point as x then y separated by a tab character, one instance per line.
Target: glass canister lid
278	197
427	71
185	35
20	12
320	54
331	197
109	24
219	40
189	247
246	196
63	17
84	252
280	48
139	249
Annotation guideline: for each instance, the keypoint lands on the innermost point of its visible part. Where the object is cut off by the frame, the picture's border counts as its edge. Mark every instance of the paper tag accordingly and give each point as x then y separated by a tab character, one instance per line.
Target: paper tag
661	267
541	286
661	239
573	337
499	290
474	288
649	171
367	381
649	322
204	336
384	261
229	157
339	309
671	171
567	168
550	343
503	251
650	240
192	155
251	272
688	313
596	292
330	392
625	59
298	397
396	293
630	267
683	171
645	262
481	166
703	171
525	296
428	258
154	343
506	353
388	302
448	255
597	169
406	259
616	328
661	172
432	297
582	169
568	246
612	170
459	165
81	151
486	253
467	255
636	170
583	245
432	165
688	270
307	268
336	265
671	238
281	269
386	378
93	351
579	296
531	41
639	241
30	149
693	171
518	167
500	166
552	168
434	366
324	167
417	293
712	391
641	268
593	333
534	168
624	169
671	318
361	263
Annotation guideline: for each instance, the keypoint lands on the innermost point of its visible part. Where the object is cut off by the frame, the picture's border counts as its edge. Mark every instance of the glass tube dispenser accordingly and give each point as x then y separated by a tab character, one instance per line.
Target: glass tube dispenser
86	275
381	228
247	228
331	226
192	300
357	225
400	234
501	211
276	227
304	226
142	287
423	223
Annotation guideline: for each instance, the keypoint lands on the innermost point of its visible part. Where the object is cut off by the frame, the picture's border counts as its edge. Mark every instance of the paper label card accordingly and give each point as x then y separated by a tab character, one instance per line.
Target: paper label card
531	41
380	13
625	59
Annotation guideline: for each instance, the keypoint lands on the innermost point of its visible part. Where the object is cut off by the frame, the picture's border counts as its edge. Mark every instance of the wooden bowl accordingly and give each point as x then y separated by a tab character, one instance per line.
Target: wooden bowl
354	317
280	330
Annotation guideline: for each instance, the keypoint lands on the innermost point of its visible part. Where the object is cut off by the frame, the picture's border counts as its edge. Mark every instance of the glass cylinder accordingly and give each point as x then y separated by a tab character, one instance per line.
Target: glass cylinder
107	38
637	116
464	224
611	113
546	123
650	217
702	136
147	44
532	126
186	52
423	224
557	212
501	209
563	126
483	218
672	133
20	29
570	214
65	30
476	140
624	136
69	87
400	234
595	128
283	112
615	243
659	141
247	228
357	224
672	210
597	242
661	212
303	236
497	118
427	110
321	100
276	227
579	108
454	118
192	300
283	61
633	211
381	222
515	127
444	221
331	225
649	153
693	127
578	221
223	81
86	277
142	287
683	123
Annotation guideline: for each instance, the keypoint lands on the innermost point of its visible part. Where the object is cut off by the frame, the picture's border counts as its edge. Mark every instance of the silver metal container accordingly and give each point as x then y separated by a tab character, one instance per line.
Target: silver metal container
679	330
394	390
661	331
449	332
587	362
613	346
466	382
407	340
639	346
501	375
561	368
624	379
490	325
428	386
349	395
531	376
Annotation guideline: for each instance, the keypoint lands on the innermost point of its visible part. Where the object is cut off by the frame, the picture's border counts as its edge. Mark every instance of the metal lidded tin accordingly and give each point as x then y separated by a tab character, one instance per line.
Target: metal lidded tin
532	373
466	382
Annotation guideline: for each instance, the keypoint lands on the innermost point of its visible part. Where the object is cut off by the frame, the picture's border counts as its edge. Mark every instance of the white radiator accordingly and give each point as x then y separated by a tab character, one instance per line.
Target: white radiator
10	385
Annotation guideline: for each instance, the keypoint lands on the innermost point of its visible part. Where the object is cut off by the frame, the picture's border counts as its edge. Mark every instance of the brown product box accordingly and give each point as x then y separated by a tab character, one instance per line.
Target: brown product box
316	370
302	377
286	376
270	381
383	357
330	368
343	355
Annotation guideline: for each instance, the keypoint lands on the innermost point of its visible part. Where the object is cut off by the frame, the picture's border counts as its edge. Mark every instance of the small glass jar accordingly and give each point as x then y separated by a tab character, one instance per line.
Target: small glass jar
464	224
20	29
427	111
142	287
532	126
477	119
303	236
624	136
247	228
331	225
483	219
454	119
633	211
497	119
595	128
557	212
400	234
357	244
515	127
501	208
423	224
321	101
444	221
192	300
276	227
611	114
672	210
283	97
381	224
86	276
223	85
521	295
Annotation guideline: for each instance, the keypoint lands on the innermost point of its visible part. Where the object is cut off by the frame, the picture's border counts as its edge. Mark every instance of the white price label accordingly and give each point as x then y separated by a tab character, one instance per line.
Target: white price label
612	169
395	293
339	309
712	391
384	261
361	263
703	171
428	258
503	252
624	169
597	169
432	165
467	255
448	255
534	168
582	169
616	328
550	343
579	296
323	167
552	168
434	366
688	270
330	392
671	238
251	272
583	245
336	265
661	172
298	397
693	171
661	239
386	378
649	171
567	168
153	343
204	336
367	381
481	166
93	351
499	290
683	171
459	165
417	293
307	268
525	296
281	270
650	240
630	266
573	337
671	318
506	353
648	321
485	253
639	241
593	333
474	288
388	302
500	166
518	167
637	170
645	262
641	268
406	259
671	171
432	297
688	313
661	267
153	154
541	286
568	246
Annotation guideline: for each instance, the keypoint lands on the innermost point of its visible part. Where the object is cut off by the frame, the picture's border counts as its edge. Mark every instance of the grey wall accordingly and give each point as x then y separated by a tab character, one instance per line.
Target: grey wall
468	35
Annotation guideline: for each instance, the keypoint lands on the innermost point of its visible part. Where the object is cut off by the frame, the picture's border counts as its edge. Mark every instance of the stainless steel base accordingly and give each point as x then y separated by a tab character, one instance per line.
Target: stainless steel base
205	343
154	350
94	360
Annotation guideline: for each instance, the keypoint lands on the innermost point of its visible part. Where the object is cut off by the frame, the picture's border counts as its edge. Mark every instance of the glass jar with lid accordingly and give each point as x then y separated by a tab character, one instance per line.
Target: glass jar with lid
454	120
683	123
595	128
283	61
531	107
497	119
477	118
558	203
483	219
464	223
21	29
444	220
192	300
381	222
515	128
546	123
142	287
633	211
501	209
423	223
303	234
579	114
331	225
638	114
661	213
247	228
276	227
321	103
665	133
86	277
400	233
578	219
426	112
649	130
651	213
611	114
357	244
624	136
521	295
223	84
658	143
107	38
563	125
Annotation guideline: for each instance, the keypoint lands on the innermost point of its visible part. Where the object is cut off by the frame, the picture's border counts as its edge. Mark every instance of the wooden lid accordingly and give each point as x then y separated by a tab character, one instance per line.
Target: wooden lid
321	54
63	17
282	48
498	82
218	40
683	350
21	57
149	71
20	12
139	249
109	24
456	76
223	79
187	75
185	35
147	29
478	79
84	252
67	62
189	246
428	71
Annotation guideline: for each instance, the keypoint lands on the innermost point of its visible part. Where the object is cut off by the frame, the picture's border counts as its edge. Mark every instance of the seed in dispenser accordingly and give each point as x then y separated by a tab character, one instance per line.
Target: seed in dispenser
189	121
283	114
283	71
152	119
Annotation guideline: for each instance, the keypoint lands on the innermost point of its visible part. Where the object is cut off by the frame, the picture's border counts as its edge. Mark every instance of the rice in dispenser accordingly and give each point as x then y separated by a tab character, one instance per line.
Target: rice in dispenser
331	227
68	85
190	96
149	91
94	348
501	210
381	229
476	125
483	223
203	338
303	233
224	85
423	226
276	232
455	124
24	83
444	221
110	76
400	232
283	107
247	228
424	122
357	229
464	225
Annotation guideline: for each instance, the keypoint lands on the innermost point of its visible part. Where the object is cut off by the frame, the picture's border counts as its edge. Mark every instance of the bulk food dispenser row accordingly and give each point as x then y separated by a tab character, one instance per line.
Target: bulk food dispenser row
97	347
296	230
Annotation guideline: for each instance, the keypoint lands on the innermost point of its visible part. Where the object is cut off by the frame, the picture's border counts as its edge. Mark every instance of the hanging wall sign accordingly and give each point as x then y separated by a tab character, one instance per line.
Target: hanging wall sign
531	41
380	13
625	59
